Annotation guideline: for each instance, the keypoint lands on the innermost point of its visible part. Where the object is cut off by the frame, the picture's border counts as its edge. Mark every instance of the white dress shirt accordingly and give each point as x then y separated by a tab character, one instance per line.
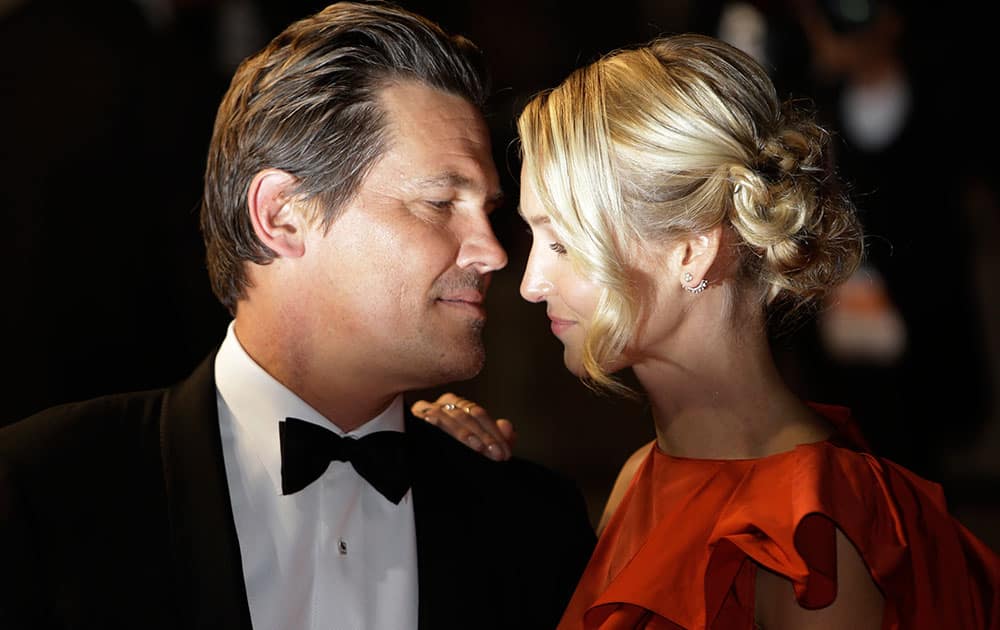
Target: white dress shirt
336	555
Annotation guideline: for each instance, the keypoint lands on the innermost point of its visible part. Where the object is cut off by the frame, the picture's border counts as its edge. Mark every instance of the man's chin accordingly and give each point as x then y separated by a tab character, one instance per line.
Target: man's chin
457	366
471	364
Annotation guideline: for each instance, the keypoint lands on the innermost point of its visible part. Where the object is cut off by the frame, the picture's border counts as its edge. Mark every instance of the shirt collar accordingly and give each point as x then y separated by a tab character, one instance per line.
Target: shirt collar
257	402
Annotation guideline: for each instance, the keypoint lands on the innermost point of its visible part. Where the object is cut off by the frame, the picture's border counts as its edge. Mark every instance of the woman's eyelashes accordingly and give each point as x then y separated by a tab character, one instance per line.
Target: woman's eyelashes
555	246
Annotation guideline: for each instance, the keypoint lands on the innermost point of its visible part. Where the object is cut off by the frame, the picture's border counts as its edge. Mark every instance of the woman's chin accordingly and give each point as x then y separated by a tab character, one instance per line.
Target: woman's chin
573	363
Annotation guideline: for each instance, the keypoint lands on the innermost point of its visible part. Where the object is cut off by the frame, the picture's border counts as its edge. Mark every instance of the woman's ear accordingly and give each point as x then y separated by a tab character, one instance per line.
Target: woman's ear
276	220
697	253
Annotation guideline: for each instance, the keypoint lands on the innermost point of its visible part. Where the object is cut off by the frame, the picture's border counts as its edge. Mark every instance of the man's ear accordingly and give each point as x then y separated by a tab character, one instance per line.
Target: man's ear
273	213
698	252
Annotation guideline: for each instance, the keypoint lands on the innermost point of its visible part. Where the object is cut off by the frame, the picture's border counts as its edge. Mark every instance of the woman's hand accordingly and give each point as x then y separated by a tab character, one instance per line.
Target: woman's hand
470	424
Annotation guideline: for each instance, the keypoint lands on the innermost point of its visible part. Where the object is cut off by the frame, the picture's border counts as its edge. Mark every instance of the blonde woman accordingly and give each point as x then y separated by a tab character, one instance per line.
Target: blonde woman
676	205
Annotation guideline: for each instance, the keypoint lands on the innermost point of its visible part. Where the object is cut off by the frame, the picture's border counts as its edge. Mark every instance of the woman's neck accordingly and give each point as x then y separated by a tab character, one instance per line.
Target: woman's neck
720	396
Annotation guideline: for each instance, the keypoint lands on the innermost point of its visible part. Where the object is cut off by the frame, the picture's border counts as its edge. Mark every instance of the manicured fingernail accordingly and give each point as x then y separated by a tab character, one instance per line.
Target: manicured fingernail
495	452
475	442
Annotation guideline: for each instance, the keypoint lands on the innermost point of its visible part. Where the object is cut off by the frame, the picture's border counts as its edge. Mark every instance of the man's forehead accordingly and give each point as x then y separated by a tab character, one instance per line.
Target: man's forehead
454	179
436	139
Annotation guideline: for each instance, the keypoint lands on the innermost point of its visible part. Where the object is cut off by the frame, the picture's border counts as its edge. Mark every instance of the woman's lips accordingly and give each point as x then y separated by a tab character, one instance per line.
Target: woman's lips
560	325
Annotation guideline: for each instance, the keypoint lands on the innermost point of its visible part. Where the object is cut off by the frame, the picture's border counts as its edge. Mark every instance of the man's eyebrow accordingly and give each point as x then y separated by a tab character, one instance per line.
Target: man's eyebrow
455	180
538	219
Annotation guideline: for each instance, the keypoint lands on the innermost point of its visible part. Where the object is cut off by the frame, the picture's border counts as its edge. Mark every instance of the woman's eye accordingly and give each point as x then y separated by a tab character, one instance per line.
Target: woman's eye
557	248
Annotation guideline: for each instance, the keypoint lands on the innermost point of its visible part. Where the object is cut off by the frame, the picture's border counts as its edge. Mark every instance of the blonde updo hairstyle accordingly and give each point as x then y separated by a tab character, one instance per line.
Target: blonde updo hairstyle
675	138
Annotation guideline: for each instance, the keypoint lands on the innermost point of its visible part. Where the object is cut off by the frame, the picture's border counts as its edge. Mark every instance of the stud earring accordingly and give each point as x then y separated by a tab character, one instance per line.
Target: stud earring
688	277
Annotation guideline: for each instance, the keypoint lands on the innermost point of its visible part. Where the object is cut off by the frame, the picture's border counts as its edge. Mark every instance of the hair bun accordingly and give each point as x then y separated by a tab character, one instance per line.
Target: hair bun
804	231
761	221
796	148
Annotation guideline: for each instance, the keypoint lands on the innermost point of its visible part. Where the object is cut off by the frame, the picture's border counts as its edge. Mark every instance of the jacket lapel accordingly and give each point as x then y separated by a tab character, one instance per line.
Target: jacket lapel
447	512
207	562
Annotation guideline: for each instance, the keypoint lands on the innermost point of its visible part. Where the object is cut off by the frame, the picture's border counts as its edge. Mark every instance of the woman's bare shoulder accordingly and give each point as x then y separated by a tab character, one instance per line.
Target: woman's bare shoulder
625	476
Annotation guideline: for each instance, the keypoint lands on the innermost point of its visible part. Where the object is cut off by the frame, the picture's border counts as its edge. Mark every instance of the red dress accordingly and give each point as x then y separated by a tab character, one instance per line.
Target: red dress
680	550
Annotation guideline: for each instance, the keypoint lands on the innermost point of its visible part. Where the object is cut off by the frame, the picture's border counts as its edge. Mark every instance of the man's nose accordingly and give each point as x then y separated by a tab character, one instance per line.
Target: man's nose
481	250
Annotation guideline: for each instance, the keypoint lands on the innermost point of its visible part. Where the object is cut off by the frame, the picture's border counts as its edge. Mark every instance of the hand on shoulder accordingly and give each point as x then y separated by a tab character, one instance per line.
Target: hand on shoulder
469	423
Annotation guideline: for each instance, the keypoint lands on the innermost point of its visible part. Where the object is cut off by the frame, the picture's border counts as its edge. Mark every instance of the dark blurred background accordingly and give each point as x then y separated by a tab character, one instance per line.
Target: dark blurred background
107	111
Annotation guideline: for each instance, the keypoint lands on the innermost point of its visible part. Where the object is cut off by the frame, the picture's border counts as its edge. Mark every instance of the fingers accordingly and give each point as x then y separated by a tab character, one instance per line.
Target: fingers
507	430
496	442
468	423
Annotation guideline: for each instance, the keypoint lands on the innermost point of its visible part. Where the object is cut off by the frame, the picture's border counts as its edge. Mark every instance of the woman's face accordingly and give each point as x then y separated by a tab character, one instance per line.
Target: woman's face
550	277
571	298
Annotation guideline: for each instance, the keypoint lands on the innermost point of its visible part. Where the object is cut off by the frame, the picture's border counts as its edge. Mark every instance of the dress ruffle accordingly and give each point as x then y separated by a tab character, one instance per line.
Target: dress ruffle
682	548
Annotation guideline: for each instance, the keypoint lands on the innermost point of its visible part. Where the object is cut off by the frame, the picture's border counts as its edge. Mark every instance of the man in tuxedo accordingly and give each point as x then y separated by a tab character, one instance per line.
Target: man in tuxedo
282	485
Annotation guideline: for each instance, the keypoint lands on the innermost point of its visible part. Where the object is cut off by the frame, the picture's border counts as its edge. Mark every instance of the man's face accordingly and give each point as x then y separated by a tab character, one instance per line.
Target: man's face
396	287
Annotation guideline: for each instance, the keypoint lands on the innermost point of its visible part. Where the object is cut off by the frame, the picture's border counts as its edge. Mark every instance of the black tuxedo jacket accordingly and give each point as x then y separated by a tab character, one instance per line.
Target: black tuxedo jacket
115	513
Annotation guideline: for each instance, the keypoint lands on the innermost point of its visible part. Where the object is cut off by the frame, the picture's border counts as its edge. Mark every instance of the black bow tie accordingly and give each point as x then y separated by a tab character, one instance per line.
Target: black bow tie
307	450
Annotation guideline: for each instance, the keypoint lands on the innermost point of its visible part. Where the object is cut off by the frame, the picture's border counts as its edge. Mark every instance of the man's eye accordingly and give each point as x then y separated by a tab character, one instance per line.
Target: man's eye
557	248
441	205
